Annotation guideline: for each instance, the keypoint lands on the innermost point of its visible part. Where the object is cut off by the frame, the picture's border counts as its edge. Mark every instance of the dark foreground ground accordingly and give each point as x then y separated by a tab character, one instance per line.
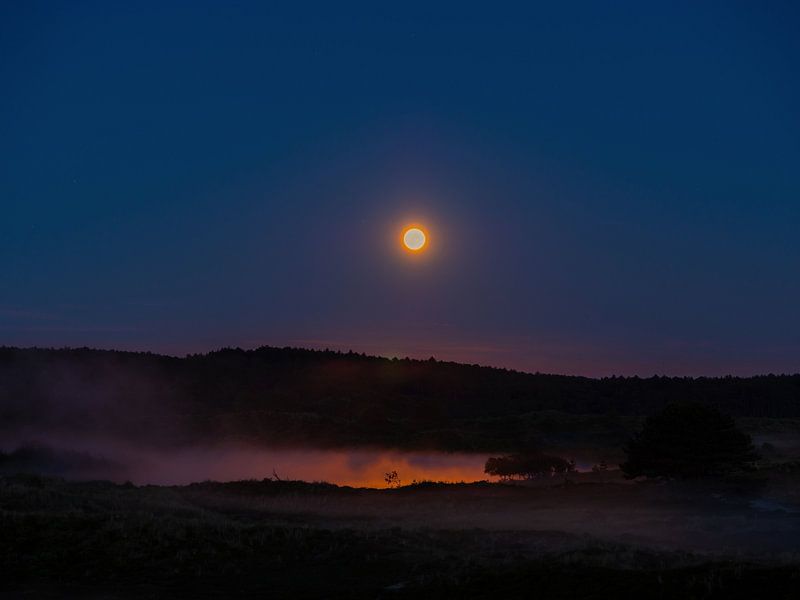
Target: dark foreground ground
594	537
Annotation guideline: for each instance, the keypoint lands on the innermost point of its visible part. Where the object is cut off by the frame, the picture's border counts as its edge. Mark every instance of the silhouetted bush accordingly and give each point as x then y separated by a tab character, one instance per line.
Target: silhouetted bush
527	466
392	479
688	440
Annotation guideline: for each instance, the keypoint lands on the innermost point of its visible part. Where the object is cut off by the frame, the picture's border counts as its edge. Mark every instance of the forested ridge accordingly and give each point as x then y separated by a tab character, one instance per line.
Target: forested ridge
288	393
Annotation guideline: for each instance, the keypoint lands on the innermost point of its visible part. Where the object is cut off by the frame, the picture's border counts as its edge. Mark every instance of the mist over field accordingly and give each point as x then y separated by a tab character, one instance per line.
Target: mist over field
344	418
276	415
238	414
168	432
90	436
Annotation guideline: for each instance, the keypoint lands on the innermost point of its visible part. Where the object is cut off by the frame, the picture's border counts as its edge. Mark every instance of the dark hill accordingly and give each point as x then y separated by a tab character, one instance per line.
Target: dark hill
322	397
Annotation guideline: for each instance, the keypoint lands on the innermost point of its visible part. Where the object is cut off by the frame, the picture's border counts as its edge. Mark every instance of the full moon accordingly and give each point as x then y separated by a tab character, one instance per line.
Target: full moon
414	239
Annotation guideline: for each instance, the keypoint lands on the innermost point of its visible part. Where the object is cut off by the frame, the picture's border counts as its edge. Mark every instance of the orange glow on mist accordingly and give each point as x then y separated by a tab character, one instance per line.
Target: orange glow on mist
358	468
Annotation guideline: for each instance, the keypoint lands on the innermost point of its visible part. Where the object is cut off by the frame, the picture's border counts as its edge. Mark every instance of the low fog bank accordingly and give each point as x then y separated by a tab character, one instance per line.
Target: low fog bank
343	418
120	461
40	459
756	518
85	457
148	419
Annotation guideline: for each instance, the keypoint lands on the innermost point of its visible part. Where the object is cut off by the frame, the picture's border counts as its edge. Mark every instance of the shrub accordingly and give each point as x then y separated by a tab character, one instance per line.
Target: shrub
688	440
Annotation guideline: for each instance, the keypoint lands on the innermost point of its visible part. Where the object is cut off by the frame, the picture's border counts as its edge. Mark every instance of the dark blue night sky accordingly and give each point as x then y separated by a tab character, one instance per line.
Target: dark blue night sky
608	187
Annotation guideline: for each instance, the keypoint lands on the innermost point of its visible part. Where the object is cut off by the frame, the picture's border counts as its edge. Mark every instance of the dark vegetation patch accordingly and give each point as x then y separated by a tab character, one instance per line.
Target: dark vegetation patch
689	440
553	579
120	541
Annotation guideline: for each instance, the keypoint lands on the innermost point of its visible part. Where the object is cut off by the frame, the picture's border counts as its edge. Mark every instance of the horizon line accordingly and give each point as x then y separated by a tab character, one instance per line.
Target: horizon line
351	352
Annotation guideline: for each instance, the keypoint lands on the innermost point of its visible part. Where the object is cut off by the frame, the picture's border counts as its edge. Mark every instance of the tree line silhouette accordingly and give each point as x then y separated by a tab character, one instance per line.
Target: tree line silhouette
326	397
530	465
686	440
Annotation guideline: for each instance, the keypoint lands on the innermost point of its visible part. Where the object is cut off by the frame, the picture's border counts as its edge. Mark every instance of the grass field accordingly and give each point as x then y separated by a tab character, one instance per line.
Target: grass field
582	539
